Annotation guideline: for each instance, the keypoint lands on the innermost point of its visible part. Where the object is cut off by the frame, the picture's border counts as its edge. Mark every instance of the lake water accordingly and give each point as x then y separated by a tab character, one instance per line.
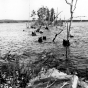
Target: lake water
14	39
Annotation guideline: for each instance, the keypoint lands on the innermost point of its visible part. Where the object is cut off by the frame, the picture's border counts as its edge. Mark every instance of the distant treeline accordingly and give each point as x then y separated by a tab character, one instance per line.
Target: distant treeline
75	20
22	21
14	21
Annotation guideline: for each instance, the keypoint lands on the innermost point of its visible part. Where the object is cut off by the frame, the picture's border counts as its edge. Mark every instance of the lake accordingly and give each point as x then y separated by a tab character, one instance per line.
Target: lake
15	37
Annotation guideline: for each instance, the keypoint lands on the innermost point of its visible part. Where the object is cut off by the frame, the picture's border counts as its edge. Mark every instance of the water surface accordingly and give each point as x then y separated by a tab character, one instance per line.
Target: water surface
15	37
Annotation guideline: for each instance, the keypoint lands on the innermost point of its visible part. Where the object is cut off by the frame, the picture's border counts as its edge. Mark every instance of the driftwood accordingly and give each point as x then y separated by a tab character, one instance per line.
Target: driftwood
55	76
74	81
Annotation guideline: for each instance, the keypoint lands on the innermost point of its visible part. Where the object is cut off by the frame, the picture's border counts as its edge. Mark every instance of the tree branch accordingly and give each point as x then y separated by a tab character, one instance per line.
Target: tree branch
64	84
71	7
75	5
58	14
51	84
67	2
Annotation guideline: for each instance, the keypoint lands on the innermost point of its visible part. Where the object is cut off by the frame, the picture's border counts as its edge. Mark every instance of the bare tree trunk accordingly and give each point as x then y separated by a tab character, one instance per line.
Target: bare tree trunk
71	18
71	12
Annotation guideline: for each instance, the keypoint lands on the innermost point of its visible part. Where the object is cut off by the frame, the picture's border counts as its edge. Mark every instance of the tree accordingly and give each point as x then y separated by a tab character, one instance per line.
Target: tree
33	14
52	15
72	9
47	15
42	13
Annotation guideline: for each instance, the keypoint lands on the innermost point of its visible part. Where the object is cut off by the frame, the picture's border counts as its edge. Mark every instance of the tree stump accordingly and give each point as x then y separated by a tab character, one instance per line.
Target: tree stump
46	28
33	27
40	32
40	40
33	34
66	43
44	37
71	36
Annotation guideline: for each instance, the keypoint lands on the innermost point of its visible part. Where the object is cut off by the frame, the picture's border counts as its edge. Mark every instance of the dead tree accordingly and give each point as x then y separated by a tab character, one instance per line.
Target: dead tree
56	35
72	9
56	27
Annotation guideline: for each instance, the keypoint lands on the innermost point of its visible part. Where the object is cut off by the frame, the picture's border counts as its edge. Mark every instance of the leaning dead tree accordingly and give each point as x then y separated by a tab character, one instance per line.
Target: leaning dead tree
72	9
56	27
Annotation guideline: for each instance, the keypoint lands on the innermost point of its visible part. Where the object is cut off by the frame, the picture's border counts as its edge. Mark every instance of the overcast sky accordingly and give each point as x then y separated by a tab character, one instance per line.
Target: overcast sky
20	9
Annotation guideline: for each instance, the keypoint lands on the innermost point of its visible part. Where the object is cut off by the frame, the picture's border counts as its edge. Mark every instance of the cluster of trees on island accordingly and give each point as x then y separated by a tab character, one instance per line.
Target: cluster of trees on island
44	15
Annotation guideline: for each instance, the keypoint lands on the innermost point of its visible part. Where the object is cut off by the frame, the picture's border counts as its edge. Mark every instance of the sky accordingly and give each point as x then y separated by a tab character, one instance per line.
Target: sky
21	9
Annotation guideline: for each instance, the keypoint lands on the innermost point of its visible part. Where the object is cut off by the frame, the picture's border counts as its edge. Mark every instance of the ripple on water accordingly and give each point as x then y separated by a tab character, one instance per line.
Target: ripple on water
12	37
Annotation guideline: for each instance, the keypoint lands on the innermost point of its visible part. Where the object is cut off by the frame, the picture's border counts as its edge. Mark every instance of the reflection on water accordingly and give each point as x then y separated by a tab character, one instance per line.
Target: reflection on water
12	37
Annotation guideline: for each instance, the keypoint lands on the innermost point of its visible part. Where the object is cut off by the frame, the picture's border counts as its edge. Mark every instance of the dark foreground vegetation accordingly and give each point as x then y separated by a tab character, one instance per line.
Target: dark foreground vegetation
16	72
